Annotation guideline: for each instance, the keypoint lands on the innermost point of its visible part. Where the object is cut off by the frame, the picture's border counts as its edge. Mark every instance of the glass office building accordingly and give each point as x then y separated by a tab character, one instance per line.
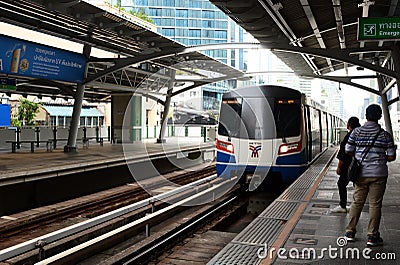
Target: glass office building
195	22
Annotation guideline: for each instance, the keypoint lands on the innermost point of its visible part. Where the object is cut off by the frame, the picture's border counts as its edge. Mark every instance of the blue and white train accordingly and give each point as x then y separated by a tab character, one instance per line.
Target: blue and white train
271	131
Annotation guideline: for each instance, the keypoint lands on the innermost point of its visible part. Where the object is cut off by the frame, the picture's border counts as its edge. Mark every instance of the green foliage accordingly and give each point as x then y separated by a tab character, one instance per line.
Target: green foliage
15	122
139	14
27	111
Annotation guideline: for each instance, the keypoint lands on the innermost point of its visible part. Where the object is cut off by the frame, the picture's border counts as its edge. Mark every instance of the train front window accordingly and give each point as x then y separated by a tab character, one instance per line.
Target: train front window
256	118
287	114
230	116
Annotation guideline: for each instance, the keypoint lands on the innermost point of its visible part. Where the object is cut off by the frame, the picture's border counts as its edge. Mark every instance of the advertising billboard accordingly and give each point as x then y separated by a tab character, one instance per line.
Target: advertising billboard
24	58
4	115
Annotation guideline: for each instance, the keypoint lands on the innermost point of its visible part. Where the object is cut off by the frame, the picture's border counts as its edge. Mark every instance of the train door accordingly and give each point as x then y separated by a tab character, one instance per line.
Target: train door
308	134
315	121
324	130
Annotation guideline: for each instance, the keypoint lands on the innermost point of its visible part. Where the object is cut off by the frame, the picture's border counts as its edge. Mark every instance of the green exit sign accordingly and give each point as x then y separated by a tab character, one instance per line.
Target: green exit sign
8	84
375	28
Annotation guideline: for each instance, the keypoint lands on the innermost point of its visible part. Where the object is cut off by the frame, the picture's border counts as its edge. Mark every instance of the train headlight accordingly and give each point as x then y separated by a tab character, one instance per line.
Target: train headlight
289	148
283	149
224	146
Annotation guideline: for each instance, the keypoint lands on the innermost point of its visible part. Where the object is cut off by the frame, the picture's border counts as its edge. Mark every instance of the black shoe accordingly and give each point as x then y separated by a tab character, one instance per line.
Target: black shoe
374	241
350	236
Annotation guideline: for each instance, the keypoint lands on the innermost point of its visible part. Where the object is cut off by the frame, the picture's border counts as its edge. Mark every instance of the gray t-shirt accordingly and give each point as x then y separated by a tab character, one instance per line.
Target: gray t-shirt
374	164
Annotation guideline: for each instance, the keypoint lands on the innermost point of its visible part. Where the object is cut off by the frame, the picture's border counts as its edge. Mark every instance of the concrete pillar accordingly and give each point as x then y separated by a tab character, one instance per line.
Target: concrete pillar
76	113
385	106
164	120
135	105
126	118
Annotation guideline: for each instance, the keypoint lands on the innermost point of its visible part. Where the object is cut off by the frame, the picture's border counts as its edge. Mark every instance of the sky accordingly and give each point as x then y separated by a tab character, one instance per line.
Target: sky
353	97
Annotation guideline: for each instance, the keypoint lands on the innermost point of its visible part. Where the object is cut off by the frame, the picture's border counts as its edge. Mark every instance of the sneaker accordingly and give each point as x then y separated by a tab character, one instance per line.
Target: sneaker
339	209
374	241
350	236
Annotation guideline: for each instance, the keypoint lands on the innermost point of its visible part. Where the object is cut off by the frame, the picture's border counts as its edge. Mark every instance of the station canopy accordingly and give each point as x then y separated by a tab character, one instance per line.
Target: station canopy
316	37
142	58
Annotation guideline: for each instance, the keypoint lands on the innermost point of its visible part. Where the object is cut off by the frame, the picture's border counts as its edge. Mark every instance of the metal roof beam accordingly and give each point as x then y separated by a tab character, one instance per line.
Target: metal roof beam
344	80
342	55
272	10
314	27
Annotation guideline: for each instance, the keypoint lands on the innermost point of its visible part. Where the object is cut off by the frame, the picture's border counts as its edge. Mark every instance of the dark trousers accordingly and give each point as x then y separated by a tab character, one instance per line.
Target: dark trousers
342	184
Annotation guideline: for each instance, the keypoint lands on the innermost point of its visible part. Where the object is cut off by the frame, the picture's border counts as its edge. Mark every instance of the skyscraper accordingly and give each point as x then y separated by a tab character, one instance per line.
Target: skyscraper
195	22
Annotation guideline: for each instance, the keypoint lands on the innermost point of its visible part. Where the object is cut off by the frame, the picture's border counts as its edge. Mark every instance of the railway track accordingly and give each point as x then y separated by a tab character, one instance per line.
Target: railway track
16	233
132	244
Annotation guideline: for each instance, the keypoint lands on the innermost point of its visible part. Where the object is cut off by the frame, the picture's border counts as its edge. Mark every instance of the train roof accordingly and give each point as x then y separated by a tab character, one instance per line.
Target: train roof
264	90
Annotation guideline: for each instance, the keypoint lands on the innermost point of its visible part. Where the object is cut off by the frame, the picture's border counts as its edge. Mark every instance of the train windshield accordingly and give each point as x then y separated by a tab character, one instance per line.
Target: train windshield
229	119
252	118
287	114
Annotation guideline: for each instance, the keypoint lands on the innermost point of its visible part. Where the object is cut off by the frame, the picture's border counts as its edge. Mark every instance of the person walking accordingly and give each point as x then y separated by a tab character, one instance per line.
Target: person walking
374	173
343	166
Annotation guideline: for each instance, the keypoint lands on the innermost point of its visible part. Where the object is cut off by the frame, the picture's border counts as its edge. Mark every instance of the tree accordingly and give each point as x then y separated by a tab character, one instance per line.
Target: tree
27	111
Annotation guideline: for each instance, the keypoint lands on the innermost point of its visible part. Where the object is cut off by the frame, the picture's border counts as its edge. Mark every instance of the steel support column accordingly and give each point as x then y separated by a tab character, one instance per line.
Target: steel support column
76	113
396	61
164	120
385	106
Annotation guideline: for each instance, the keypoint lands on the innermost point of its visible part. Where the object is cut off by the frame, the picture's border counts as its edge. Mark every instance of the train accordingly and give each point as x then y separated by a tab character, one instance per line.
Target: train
271	132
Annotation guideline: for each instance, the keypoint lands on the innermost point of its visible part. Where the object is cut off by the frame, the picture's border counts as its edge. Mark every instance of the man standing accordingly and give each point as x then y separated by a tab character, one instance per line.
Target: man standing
374	173
343	166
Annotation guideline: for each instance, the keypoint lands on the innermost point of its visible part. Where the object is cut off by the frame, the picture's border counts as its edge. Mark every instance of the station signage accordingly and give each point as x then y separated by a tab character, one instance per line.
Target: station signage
23	58
374	28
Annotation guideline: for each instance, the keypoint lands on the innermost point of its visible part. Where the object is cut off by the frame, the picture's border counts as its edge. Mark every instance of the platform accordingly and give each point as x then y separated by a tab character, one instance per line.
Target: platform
301	228
30	180
22	166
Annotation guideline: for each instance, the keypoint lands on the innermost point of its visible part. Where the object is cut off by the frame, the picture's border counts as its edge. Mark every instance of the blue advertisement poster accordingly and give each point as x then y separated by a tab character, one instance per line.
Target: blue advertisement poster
4	115
23	58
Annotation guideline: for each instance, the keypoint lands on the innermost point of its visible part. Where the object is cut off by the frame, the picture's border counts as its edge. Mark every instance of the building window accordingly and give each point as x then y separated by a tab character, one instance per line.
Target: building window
194	23
154	11
182	13
220	34
193	42
61	121
89	121
220	15
82	121
168	2
53	121
182	23
208	14
168	32
195	3
195	13
195	33
208	23
68	121
168	22
168	12
208	33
